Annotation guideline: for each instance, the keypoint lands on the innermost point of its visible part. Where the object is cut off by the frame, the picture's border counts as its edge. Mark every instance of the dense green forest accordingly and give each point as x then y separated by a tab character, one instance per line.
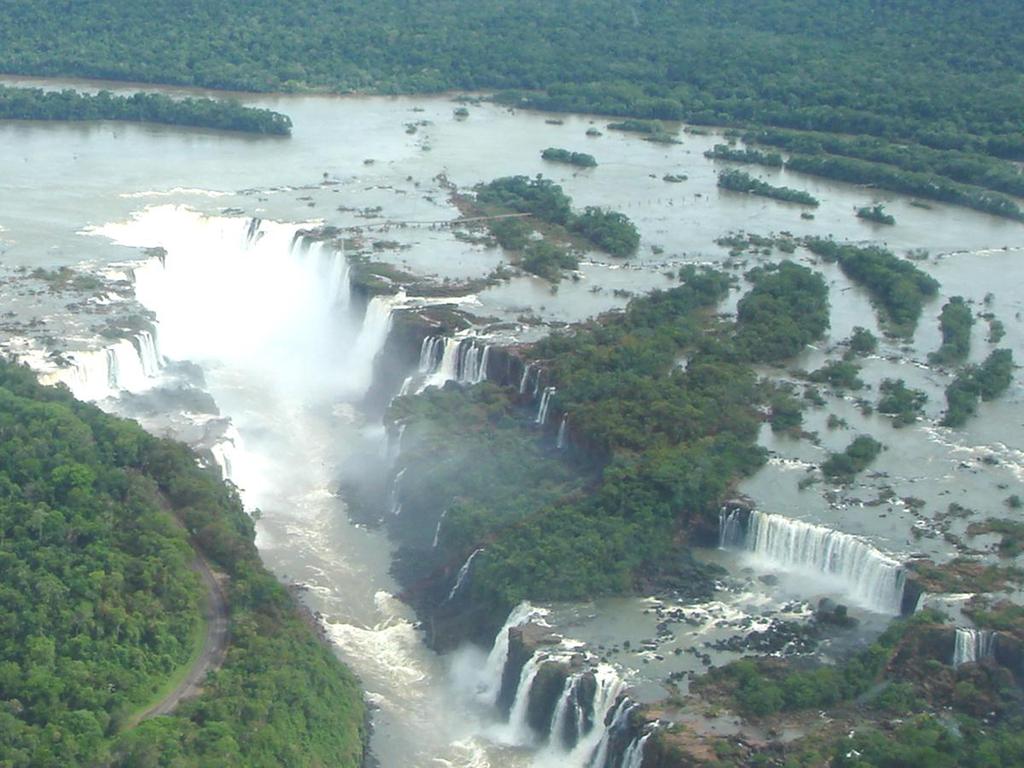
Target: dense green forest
36	104
100	522
785	310
944	74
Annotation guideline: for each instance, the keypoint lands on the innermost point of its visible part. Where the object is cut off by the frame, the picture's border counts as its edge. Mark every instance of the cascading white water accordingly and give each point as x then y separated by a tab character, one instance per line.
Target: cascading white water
730	529
396	502
463	574
566	706
445	358
446	369
519	732
149	353
224	449
481	369
255	296
489	685
972	645
560	442
437	530
542	409
371	338
129	365
428	353
866	575
633	757
524	379
393	446
609	686
597	757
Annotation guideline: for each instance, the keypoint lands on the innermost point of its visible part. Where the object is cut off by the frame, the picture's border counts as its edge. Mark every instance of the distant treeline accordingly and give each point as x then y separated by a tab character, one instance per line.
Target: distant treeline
37	104
892	70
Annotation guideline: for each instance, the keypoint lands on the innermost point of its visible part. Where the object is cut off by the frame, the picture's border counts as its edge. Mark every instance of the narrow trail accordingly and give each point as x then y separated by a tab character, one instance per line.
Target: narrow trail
214	645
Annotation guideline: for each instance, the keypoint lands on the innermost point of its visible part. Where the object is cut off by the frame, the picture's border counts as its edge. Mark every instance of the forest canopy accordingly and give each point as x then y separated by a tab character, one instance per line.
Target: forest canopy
99	523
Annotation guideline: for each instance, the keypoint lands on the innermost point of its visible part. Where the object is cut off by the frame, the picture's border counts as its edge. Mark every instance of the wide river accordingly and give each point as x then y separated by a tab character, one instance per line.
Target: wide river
262	329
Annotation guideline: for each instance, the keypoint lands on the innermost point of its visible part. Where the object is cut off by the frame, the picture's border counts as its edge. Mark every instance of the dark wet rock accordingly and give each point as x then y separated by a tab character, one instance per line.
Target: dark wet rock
545	694
523	643
912	591
780	636
1009	653
831	612
686	578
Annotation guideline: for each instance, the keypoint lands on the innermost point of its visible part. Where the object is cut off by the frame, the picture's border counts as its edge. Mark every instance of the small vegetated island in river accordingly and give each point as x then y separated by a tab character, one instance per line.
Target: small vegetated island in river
741	181
104	530
551	237
581	159
219	114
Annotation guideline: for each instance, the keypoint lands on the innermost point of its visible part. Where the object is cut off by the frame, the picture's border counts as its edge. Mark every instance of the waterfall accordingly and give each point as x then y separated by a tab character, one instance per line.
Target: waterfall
542	409
371	338
393	446
124	369
560	442
490	676
396	502
128	365
972	645
609	686
444	358
523	380
633	757
224	448
256	296
519	731
149	354
868	576
620	720
429	353
481	371
730	529
566	704
463	575
437	531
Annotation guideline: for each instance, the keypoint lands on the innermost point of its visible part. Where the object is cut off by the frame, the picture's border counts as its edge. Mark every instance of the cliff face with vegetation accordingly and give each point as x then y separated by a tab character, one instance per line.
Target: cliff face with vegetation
100	522
649	448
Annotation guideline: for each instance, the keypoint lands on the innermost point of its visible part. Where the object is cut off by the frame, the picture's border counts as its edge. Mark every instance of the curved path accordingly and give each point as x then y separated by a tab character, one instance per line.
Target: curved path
215	645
